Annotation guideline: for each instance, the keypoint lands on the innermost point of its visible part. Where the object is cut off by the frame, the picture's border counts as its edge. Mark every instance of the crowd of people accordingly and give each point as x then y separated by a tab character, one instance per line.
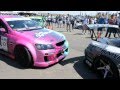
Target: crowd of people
61	21
69	21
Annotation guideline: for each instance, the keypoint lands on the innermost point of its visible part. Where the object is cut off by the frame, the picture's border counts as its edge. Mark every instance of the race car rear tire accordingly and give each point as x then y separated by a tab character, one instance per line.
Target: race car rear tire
110	70
23	57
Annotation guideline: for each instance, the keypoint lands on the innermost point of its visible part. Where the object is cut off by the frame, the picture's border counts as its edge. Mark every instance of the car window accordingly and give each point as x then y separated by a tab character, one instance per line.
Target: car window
20	24
38	20
30	24
16	24
2	25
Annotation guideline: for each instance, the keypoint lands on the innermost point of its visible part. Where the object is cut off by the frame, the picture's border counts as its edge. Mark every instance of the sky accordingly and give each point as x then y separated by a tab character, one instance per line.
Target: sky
77	12
73	12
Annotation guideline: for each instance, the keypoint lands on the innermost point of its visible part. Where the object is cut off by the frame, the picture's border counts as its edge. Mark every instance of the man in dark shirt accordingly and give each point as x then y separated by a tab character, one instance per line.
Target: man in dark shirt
101	20
110	30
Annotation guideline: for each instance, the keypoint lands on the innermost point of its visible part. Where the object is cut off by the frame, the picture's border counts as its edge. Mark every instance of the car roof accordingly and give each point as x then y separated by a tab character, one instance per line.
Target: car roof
13	17
10	16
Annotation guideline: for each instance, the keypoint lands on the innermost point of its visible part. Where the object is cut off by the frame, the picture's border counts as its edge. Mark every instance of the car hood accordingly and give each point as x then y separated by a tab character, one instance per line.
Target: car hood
44	36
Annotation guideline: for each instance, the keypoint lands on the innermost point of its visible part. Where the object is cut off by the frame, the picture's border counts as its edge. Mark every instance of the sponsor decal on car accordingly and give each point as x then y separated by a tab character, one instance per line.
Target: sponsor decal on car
108	51
42	34
3	43
110	54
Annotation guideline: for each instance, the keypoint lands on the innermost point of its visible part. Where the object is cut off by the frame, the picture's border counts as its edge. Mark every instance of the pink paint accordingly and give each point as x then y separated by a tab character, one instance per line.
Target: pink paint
32	37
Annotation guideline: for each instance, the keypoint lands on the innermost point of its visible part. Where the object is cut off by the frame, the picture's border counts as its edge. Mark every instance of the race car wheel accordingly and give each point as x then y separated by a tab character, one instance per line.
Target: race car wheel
23	56
106	68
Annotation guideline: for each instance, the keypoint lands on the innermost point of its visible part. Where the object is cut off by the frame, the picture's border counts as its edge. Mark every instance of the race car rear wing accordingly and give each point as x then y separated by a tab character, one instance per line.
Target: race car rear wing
96	26
93	27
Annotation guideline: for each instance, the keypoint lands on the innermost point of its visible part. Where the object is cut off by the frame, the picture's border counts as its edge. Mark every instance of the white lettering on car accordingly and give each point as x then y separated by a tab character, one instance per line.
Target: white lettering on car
109	51
41	34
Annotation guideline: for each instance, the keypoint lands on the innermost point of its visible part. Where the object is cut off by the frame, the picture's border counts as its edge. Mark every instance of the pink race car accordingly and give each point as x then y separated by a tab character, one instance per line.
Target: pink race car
24	40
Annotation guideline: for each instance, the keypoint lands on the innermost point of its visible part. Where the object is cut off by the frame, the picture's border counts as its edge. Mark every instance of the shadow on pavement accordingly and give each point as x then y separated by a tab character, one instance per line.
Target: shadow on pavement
83	70
88	37
71	60
62	31
10	61
78	34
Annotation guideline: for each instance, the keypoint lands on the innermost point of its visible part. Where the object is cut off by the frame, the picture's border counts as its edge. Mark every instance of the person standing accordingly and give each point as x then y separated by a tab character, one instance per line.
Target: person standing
95	20
68	23
101	20
51	21
56	20
112	21
60	21
90	20
118	23
118	20
85	22
48	20
63	19
72	22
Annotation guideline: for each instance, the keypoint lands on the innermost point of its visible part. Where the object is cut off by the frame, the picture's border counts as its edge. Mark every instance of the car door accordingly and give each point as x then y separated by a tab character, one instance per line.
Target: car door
3	37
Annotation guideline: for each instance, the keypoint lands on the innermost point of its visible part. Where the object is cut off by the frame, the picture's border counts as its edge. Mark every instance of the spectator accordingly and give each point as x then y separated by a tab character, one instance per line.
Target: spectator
118	23
56	20
110	30
101	20
63	19
51	20
68	24
90	20
72	22
59	21
48	20
85	22
118	20
95	20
